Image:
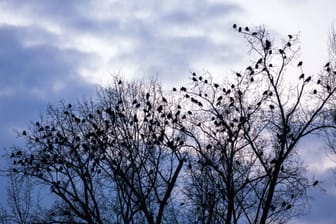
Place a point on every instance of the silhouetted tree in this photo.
(245, 134)
(207, 152)
(122, 146)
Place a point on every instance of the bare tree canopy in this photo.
(205, 152)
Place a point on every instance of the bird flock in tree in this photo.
(206, 152)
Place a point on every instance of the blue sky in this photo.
(52, 50)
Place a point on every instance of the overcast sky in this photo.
(60, 49)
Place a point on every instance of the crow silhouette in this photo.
(183, 89)
(267, 44)
(308, 79)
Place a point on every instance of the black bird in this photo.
(254, 34)
(24, 133)
(252, 79)
(164, 100)
(308, 79)
(267, 45)
(281, 51)
(327, 65)
(315, 91)
(283, 204)
(120, 82)
(289, 44)
(300, 64)
(271, 107)
(234, 26)
(194, 74)
(301, 76)
(315, 182)
(194, 79)
(159, 109)
(183, 89)
(215, 85)
(239, 29)
(247, 29)
(290, 36)
(318, 82)
(174, 89)
(238, 74)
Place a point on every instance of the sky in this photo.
(52, 50)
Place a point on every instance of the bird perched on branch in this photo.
(267, 45)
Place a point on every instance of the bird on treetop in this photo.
(300, 64)
(308, 79)
(267, 45)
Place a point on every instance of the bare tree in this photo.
(120, 147)
(19, 198)
(246, 131)
(220, 152)
(329, 79)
